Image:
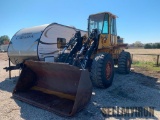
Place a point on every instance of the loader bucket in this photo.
(56, 87)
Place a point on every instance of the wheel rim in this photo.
(108, 70)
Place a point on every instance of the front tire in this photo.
(102, 70)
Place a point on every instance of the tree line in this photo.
(4, 40)
(138, 44)
(152, 46)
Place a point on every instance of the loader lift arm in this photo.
(76, 42)
(91, 44)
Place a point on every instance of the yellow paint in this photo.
(113, 40)
(59, 94)
(112, 50)
(108, 42)
(104, 41)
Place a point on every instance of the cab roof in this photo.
(114, 16)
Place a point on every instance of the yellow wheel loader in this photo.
(65, 85)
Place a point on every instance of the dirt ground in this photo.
(140, 88)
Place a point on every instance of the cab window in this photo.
(96, 22)
(105, 25)
(113, 26)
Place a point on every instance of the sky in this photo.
(138, 20)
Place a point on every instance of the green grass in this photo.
(148, 65)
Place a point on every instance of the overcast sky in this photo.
(138, 20)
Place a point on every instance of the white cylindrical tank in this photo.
(37, 43)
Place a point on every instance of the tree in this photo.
(158, 45)
(4, 39)
(154, 46)
(138, 44)
(148, 46)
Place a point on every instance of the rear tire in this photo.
(102, 70)
(124, 62)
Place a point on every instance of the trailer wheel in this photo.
(102, 70)
(124, 62)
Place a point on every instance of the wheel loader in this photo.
(64, 86)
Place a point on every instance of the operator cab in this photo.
(105, 23)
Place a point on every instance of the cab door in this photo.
(105, 37)
(113, 31)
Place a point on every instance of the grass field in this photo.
(144, 58)
(147, 61)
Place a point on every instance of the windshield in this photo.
(96, 22)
